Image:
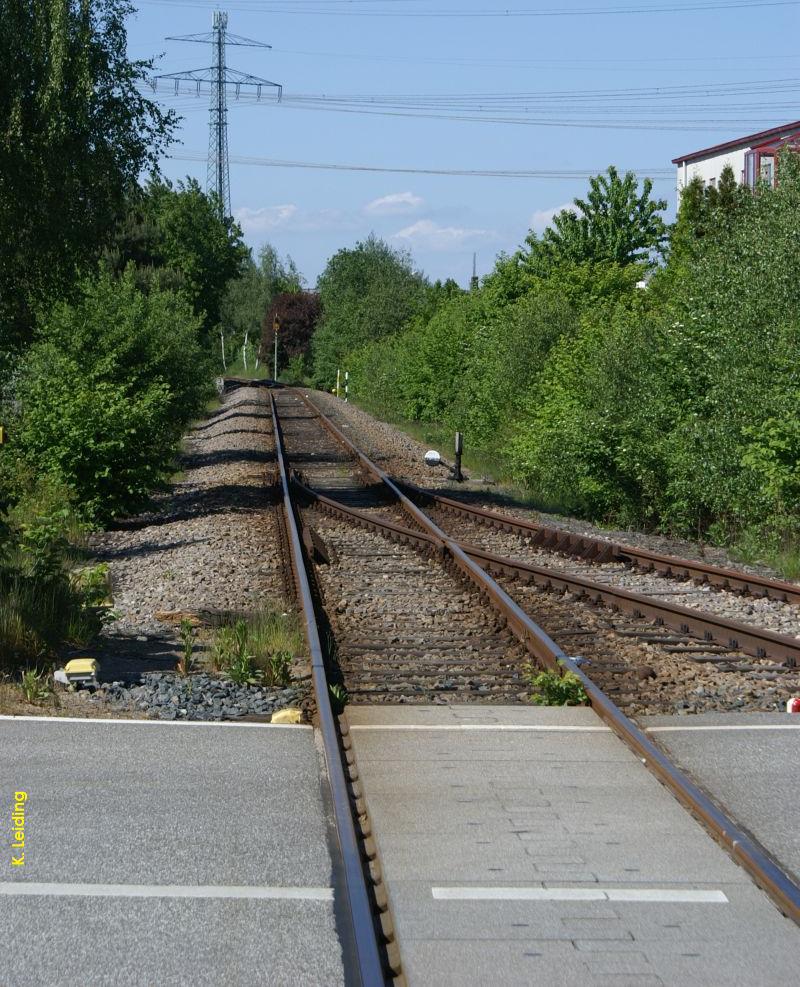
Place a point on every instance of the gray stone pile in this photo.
(167, 696)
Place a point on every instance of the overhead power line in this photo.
(683, 107)
(462, 172)
(710, 63)
(219, 78)
(391, 8)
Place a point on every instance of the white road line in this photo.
(15, 888)
(663, 895)
(731, 727)
(155, 723)
(507, 728)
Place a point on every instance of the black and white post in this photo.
(459, 448)
(276, 325)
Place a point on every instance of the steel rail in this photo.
(599, 550)
(532, 636)
(707, 627)
(755, 860)
(370, 968)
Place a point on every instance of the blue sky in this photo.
(428, 48)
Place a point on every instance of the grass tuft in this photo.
(259, 650)
(35, 685)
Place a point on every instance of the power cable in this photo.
(660, 173)
(344, 8)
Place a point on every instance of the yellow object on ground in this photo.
(82, 666)
(290, 715)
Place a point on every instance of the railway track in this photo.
(509, 535)
(653, 654)
(465, 607)
(407, 626)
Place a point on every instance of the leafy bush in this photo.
(106, 392)
(367, 293)
(41, 604)
(93, 582)
(552, 689)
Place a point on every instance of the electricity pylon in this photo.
(219, 78)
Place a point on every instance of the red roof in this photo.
(750, 141)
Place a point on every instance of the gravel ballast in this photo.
(196, 697)
(208, 549)
(402, 456)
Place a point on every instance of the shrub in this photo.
(41, 604)
(106, 392)
(552, 689)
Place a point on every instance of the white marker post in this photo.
(276, 325)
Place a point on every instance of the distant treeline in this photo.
(626, 371)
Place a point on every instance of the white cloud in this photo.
(266, 219)
(427, 235)
(289, 218)
(543, 217)
(394, 204)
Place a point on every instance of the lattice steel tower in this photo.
(218, 174)
(219, 78)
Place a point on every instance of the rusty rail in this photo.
(709, 628)
(369, 972)
(592, 549)
(765, 872)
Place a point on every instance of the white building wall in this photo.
(708, 168)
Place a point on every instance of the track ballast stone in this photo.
(197, 697)
(402, 456)
(209, 547)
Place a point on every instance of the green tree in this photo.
(705, 210)
(176, 240)
(250, 296)
(75, 134)
(367, 292)
(192, 239)
(691, 223)
(615, 223)
(105, 392)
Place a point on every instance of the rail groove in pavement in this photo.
(545, 651)
(358, 901)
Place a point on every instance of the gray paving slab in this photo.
(752, 771)
(152, 804)
(564, 809)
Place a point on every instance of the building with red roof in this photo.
(752, 158)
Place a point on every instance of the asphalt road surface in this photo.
(160, 854)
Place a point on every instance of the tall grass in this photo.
(237, 368)
(273, 633)
(259, 649)
(36, 619)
